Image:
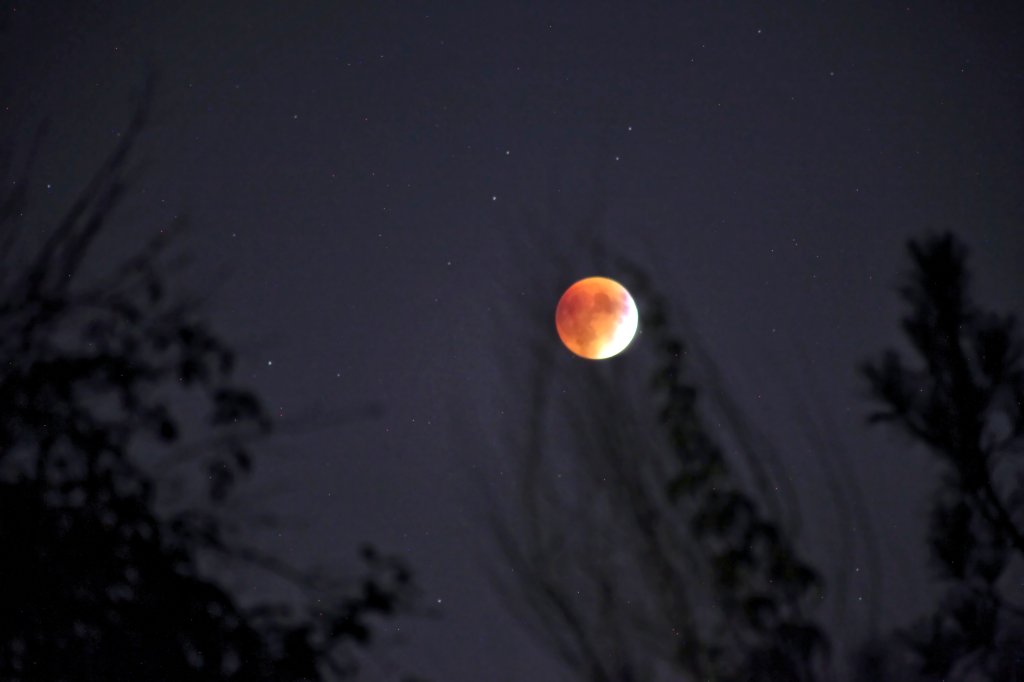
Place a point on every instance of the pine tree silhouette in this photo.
(961, 396)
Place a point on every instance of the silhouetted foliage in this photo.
(104, 577)
(762, 587)
(961, 395)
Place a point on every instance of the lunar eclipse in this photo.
(596, 318)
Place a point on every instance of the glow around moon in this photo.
(596, 318)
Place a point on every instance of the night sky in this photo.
(380, 195)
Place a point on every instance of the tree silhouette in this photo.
(105, 382)
(961, 396)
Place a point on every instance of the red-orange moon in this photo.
(596, 318)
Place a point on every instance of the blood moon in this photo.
(596, 318)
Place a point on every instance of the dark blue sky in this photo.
(369, 186)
